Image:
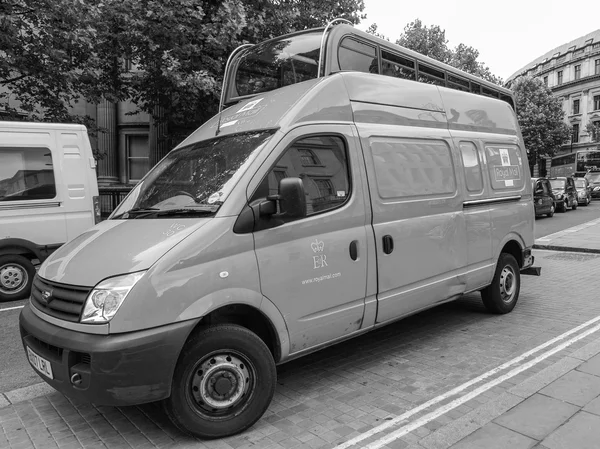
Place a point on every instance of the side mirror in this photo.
(292, 199)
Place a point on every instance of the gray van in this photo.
(294, 220)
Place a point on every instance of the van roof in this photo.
(354, 97)
(41, 125)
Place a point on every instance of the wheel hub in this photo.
(507, 284)
(13, 278)
(220, 382)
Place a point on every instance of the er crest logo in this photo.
(319, 260)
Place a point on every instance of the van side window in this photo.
(412, 167)
(505, 167)
(358, 56)
(321, 163)
(471, 166)
(397, 66)
(26, 174)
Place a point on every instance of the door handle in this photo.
(388, 244)
(354, 250)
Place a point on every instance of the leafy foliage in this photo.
(45, 55)
(431, 41)
(541, 118)
(593, 129)
(166, 56)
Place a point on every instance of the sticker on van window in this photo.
(504, 157)
(341, 193)
(214, 197)
(509, 172)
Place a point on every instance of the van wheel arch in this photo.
(513, 248)
(20, 247)
(245, 316)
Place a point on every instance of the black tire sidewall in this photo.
(491, 296)
(28, 267)
(215, 338)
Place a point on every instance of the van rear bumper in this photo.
(528, 261)
(116, 370)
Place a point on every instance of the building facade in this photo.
(572, 72)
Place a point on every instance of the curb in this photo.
(25, 394)
(572, 249)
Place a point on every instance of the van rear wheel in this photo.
(16, 276)
(223, 383)
(502, 294)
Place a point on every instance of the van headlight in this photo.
(106, 297)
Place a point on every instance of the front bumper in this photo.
(115, 370)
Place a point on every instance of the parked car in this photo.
(593, 177)
(584, 192)
(48, 195)
(543, 198)
(565, 193)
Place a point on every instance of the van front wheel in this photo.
(16, 276)
(223, 383)
(502, 295)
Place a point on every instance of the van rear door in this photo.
(79, 178)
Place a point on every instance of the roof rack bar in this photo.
(233, 53)
(329, 25)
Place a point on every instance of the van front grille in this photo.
(61, 301)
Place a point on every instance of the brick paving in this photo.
(339, 393)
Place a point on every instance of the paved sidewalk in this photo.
(581, 238)
(559, 407)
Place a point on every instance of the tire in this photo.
(229, 357)
(564, 206)
(16, 276)
(502, 294)
(574, 205)
(551, 213)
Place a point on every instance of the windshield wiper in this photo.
(137, 210)
(198, 209)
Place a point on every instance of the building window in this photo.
(596, 102)
(577, 72)
(138, 156)
(597, 67)
(575, 134)
(560, 77)
(308, 158)
(576, 106)
(325, 188)
(546, 80)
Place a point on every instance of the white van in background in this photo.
(48, 195)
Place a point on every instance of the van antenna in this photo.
(223, 88)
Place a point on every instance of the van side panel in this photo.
(416, 204)
(79, 180)
(40, 221)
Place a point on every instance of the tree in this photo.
(540, 117)
(373, 30)
(45, 50)
(431, 41)
(593, 129)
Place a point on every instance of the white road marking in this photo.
(11, 308)
(482, 389)
(460, 388)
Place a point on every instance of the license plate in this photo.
(40, 363)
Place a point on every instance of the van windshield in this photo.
(195, 179)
